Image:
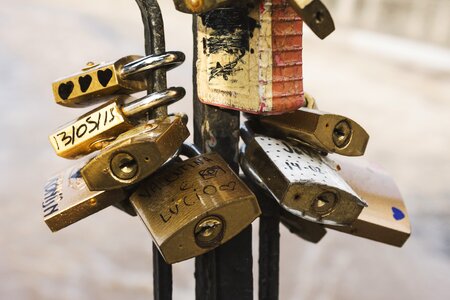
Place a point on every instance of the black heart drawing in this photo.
(85, 82)
(65, 89)
(228, 187)
(104, 76)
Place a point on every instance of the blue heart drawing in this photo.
(398, 214)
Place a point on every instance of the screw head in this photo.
(124, 166)
(342, 134)
(324, 203)
(209, 232)
(194, 4)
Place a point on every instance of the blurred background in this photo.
(387, 66)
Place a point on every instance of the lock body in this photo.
(135, 154)
(309, 231)
(94, 83)
(191, 207)
(325, 132)
(385, 219)
(251, 60)
(67, 199)
(304, 182)
(91, 131)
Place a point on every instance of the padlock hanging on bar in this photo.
(67, 199)
(385, 219)
(99, 127)
(251, 60)
(99, 81)
(192, 207)
(313, 12)
(136, 154)
(302, 181)
(329, 133)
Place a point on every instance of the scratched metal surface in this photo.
(397, 90)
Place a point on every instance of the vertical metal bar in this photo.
(155, 43)
(226, 272)
(269, 248)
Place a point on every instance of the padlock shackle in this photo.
(247, 132)
(190, 150)
(153, 101)
(168, 61)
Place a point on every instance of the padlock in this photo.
(329, 133)
(97, 81)
(313, 12)
(135, 154)
(250, 60)
(385, 219)
(304, 182)
(191, 207)
(316, 15)
(203, 6)
(68, 200)
(309, 231)
(99, 127)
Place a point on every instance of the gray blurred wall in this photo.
(427, 20)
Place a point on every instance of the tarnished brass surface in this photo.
(315, 14)
(135, 154)
(94, 130)
(304, 182)
(68, 200)
(92, 84)
(191, 207)
(385, 219)
(322, 131)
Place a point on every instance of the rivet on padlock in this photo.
(135, 154)
(260, 70)
(67, 199)
(304, 182)
(125, 76)
(322, 131)
(385, 219)
(315, 14)
(97, 128)
(191, 207)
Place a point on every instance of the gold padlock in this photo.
(385, 219)
(67, 199)
(191, 207)
(97, 81)
(325, 132)
(304, 182)
(316, 15)
(99, 127)
(136, 154)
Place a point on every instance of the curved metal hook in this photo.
(154, 44)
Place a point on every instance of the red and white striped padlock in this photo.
(251, 60)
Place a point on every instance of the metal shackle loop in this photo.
(153, 101)
(168, 61)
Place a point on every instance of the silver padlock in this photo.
(304, 182)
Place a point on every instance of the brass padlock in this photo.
(99, 127)
(316, 15)
(97, 81)
(385, 219)
(251, 61)
(304, 182)
(325, 132)
(191, 207)
(136, 154)
(67, 199)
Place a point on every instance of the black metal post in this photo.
(155, 44)
(226, 272)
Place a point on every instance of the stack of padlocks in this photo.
(193, 206)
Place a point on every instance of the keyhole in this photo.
(319, 17)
